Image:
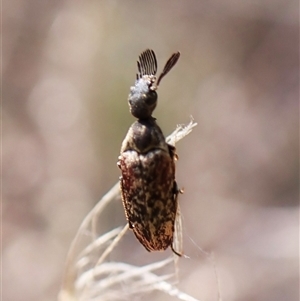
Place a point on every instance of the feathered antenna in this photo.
(168, 66)
(147, 63)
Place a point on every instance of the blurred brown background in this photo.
(67, 67)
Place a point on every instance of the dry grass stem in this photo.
(91, 273)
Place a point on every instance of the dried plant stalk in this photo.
(89, 275)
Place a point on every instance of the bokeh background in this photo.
(66, 71)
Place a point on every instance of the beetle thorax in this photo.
(144, 136)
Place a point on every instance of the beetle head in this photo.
(143, 97)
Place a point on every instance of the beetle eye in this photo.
(151, 98)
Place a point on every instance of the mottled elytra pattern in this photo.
(147, 163)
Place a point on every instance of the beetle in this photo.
(148, 187)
